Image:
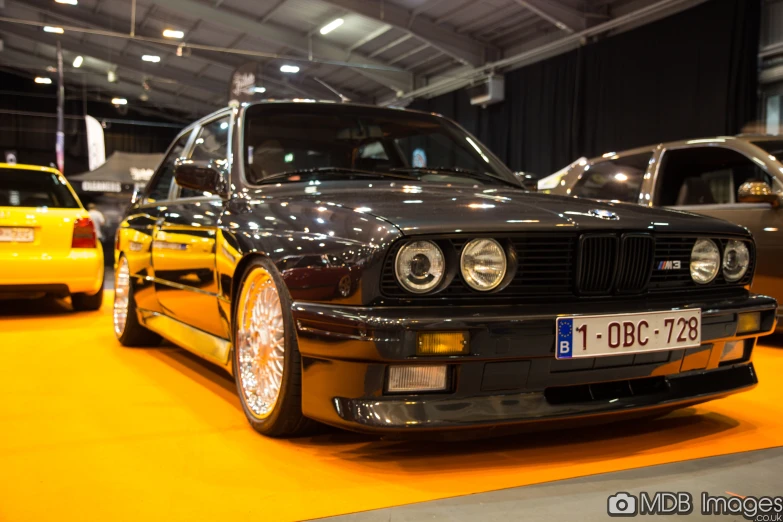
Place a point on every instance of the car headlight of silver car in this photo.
(483, 264)
(736, 260)
(420, 266)
(705, 261)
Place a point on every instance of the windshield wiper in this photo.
(333, 170)
(474, 174)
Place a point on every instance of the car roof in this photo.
(680, 143)
(39, 168)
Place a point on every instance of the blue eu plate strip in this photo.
(565, 333)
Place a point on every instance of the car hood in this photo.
(428, 208)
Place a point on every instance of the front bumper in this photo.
(511, 376)
(80, 270)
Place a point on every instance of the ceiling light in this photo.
(51, 69)
(41, 79)
(111, 76)
(293, 69)
(151, 58)
(259, 90)
(50, 29)
(69, 2)
(331, 26)
(173, 33)
(119, 101)
(77, 62)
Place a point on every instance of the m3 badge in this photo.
(670, 265)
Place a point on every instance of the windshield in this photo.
(304, 142)
(30, 188)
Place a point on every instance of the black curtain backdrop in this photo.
(33, 137)
(692, 74)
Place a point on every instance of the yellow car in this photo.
(47, 240)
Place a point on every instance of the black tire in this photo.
(285, 419)
(85, 303)
(134, 334)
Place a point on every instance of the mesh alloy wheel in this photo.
(121, 296)
(260, 343)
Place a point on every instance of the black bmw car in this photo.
(381, 270)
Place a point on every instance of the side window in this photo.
(211, 146)
(704, 176)
(158, 189)
(616, 180)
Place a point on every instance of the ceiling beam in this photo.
(132, 64)
(12, 57)
(462, 48)
(561, 16)
(284, 37)
(81, 16)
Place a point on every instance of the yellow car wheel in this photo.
(85, 302)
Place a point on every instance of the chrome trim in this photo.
(208, 346)
(177, 285)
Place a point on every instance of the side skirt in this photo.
(212, 348)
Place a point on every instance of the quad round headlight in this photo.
(483, 264)
(705, 261)
(420, 266)
(736, 259)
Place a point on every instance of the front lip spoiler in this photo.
(418, 413)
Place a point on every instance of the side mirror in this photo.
(199, 176)
(528, 181)
(757, 192)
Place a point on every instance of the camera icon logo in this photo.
(622, 505)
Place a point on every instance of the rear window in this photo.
(616, 180)
(30, 188)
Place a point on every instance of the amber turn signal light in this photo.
(748, 322)
(442, 343)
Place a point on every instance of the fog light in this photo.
(417, 378)
(442, 343)
(749, 322)
(733, 350)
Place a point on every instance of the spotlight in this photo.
(119, 101)
(69, 2)
(151, 58)
(292, 69)
(77, 62)
(50, 29)
(42, 80)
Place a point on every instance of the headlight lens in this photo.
(420, 266)
(483, 264)
(736, 259)
(705, 261)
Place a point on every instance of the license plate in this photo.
(16, 235)
(601, 335)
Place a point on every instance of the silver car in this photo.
(739, 179)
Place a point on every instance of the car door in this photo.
(135, 234)
(705, 180)
(183, 250)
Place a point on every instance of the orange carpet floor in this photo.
(93, 431)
